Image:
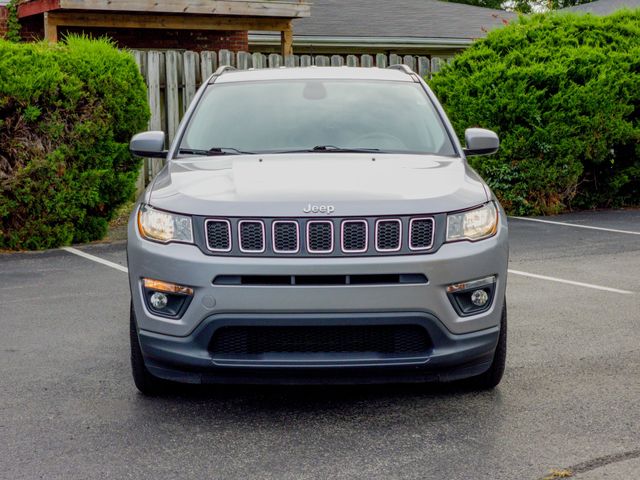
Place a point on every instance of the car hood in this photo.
(284, 185)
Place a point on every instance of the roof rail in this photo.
(402, 67)
(223, 69)
(220, 71)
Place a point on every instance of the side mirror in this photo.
(148, 144)
(480, 141)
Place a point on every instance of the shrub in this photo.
(563, 93)
(67, 112)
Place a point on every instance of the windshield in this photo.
(316, 115)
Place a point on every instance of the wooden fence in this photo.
(173, 76)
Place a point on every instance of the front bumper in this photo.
(177, 348)
(189, 359)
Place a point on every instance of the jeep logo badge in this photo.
(326, 209)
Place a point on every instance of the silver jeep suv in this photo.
(317, 225)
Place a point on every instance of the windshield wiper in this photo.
(332, 149)
(214, 151)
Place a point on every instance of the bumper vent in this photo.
(381, 339)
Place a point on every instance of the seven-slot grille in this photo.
(335, 236)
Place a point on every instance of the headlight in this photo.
(163, 226)
(474, 224)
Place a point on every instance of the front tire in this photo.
(492, 377)
(144, 380)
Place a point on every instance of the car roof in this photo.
(320, 73)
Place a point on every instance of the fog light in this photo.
(479, 298)
(159, 300)
(472, 296)
(166, 299)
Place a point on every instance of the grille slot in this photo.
(354, 236)
(218, 235)
(388, 235)
(382, 339)
(251, 235)
(421, 233)
(286, 236)
(320, 236)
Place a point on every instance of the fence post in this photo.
(306, 60)
(190, 68)
(275, 60)
(257, 60)
(410, 61)
(424, 67)
(155, 122)
(322, 61)
(381, 60)
(337, 61)
(436, 64)
(208, 64)
(366, 61)
(225, 58)
(244, 60)
(173, 102)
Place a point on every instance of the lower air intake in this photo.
(382, 339)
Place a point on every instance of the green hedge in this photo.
(563, 93)
(67, 112)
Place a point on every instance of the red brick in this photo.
(196, 40)
(3, 20)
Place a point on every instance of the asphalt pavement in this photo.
(570, 398)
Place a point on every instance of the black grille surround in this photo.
(394, 340)
(320, 236)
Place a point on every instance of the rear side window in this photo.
(297, 115)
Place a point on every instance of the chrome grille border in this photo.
(386, 250)
(366, 235)
(229, 234)
(333, 233)
(433, 233)
(273, 237)
(264, 236)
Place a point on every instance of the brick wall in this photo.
(196, 40)
(3, 20)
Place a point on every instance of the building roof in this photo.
(388, 23)
(399, 18)
(604, 7)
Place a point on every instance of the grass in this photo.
(555, 474)
(118, 226)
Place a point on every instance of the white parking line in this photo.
(628, 232)
(102, 261)
(88, 256)
(570, 282)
